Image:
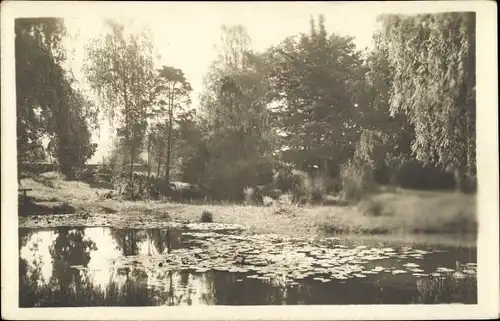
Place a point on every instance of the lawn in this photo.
(395, 216)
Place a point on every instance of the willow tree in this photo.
(433, 61)
(120, 69)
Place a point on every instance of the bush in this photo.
(357, 181)
(227, 181)
(206, 217)
(412, 174)
(318, 190)
(373, 207)
(253, 196)
(283, 177)
(104, 174)
(87, 175)
(140, 188)
(301, 186)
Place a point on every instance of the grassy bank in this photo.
(398, 216)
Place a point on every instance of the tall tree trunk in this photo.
(149, 155)
(169, 139)
(127, 127)
(159, 160)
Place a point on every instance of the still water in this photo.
(100, 266)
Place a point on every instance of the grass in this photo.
(404, 216)
(406, 212)
(435, 290)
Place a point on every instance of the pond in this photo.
(103, 266)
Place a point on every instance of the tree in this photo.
(119, 67)
(385, 138)
(173, 93)
(433, 57)
(47, 103)
(315, 82)
(238, 136)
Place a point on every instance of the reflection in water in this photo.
(76, 267)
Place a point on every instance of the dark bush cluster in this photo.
(206, 217)
(253, 196)
(142, 187)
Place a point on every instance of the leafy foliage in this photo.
(48, 106)
(433, 84)
(315, 83)
(238, 139)
(119, 68)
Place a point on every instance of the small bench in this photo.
(25, 195)
(24, 190)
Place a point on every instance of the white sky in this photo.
(185, 33)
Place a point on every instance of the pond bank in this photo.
(403, 217)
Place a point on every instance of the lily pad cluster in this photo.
(283, 260)
(121, 221)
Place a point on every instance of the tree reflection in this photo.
(128, 240)
(69, 248)
(30, 271)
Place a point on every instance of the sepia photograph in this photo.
(249, 155)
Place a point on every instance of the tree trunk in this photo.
(160, 148)
(149, 156)
(169, 139)
(127, 127)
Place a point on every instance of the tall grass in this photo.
(447, 289)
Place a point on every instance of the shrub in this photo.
(140, 188)
(283, 178)
(357, 181)
(372, 207)
(253, 196)
(412, 174)
(318, 190)
(87, 175)
(206, 217)
(301, 186)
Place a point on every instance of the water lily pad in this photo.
(396, 272)
(369, 272)
(411, 265)
(201, 270)
(444, 269)
(416, 270)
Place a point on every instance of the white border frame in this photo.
(487, 161)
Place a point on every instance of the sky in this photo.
(185, 34)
